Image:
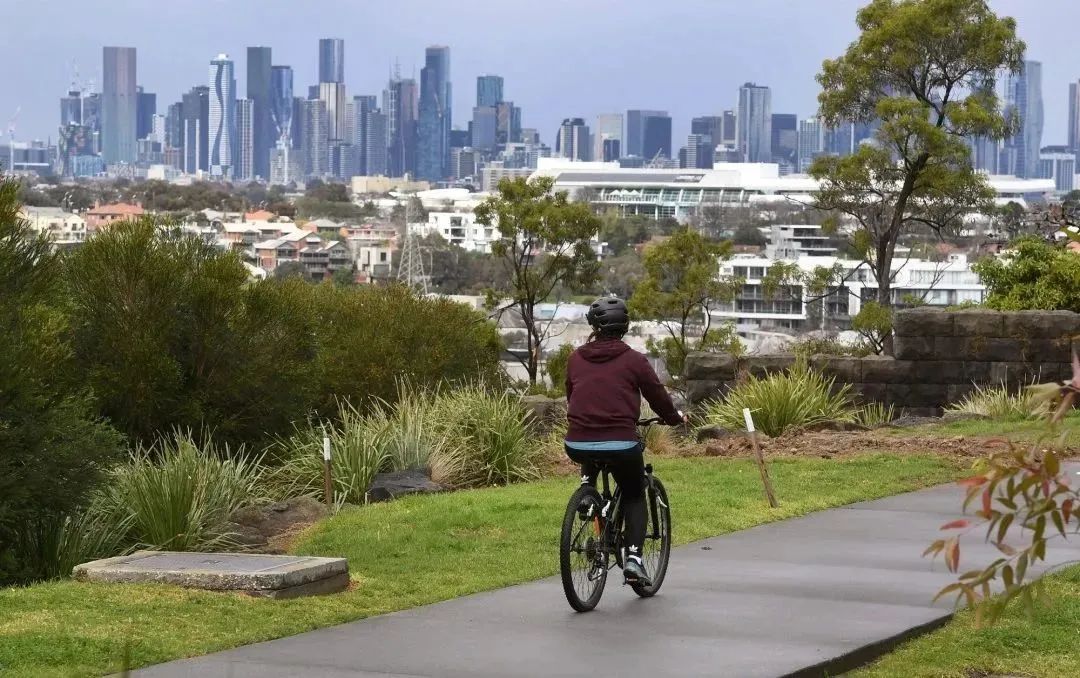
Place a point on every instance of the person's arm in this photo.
(655, 394)
(569, 386)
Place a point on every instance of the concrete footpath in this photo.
(810, 596)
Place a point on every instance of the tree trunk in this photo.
(884, 291)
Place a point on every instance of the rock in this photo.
(713, 433)
(910, 421)
(924, 322)
(715, 367)
(256, 526)
(246, 535)
(979, 323)
(543, 412)
(949, 417)
(387, 486)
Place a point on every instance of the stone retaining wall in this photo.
(939, 357)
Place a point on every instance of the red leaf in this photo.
(986, 502)
(974, 481)
(952, 555)
(956, 525)
(1066, 509)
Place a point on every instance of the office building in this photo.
(1058, 163)
(573, 140)
(331, 60)
(332, 94)
(401, 106)
(698, 152)
(196, 123)
(484, 128)
(145, 110)
(71, 108)
(375, 148)
(434, 125)
(785, 140)
(222, 116)
(730, 128)
(1074, 117)
(281, 103)
(638, 126)
(489, 90)
(343, 160)
(174, 127)
(985, 154)
(1023, 96)
(754, 128)
(464, 163)
(260, 78)
(710, 127)
(811, 142)
(607, 136)
(361, 108)
(244, 163)
(657, 137)
(508, 123)
(315, 142)
(119, 105)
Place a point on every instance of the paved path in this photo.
(806, 597)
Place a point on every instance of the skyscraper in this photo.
(1024, 96)
(174, 128)
(259, 86)
(656, 140)
(636, 124)
(71, 108)
(315, 140)
(244, 163)
(508, 123)
(433, 138)
(710, 127)
(333, 95)
(222, 116)
(730, 131)
(400, 104)
(362, 109)
(573, 139)
(1074, 117)
(375, 149)
(145, 110)
(609, 128)
(811, 142)
(332, 60)
(754, 133)
(785, 140)
(196, 116)
(489, 90)
(281, 103)
(484, 126)
(118, 105)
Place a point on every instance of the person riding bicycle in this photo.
(605, 382)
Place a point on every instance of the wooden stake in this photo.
(769, 494)
(328, 487)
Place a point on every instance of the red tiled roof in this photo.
(117, 208)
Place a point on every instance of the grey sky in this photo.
(560, 58)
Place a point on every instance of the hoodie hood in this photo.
(603, 350)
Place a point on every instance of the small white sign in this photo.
(749, 419)
(326, 449)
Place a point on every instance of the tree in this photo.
(53, 450)
(681, 282)
(290, 269)
(543, 244)
(1032, 274)
(619, 275)
(923, 71)
(747, 234)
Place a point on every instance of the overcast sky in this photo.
(560, 58)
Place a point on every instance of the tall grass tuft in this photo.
(874, 415)
(412, 434)
(485, 439)
(178, 493)
(998, 402)
(52, 546)
(782, 401)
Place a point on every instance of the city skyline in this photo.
(548, 84)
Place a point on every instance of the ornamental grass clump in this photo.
(795, 398)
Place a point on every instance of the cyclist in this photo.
(605, 381)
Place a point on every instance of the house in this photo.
(101, 216)
(62, 228)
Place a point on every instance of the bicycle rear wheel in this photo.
(582, 558)
(657, 548)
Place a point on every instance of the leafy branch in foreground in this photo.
(1018, 487)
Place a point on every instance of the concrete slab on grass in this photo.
(256, 574)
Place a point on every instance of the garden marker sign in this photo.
(769, 494)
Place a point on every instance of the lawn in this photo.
(1046, 646)
(1011, 429)
(412, 552)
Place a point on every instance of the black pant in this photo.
(628, 469)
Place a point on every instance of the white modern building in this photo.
(789, 309)
(458, 228)
(679, 193)
(222, 118)
(792, 241)
(63, 229)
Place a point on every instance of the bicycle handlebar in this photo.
(650, 422)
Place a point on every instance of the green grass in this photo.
(1013, 429)
(1045, 646)
(411, 552)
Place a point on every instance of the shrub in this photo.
(873, 415)
(998, 402)
(556, 368)
(486, 439)
(814, 346)
(1033, 274)
(51, 545)
(178, 493)
(782, 401)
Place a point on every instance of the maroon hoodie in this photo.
(605, 381)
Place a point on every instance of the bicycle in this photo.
(592, 539)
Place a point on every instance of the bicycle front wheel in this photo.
(657, 548)
(582, 556)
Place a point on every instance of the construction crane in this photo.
(11, 137)
(411, 264)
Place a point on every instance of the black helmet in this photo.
(608, 315)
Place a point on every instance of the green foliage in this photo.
(999, 402)
(556, 367)
(52, 545)
(530, 217)
(873, 322)
(178, 494)
(748, 234)
(682, 280)
(619, 274)
(622, 233)
(811, 346)
(874, 415)
(924, 72)
(52, 448)
(782, 401)
(453, 270)
(1033, 274)
(487, 440)
(328, 192)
